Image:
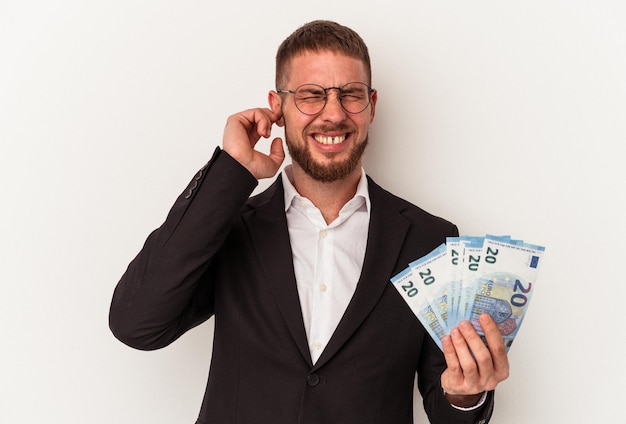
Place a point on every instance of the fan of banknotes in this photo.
(468, 276)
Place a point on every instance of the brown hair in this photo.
(317, 36)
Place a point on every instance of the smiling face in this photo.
(327, 146)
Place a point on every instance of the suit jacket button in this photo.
(313, 380)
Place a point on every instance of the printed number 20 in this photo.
(427, 277)
(520, 299)
(409, 289)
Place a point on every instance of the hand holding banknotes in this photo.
(472, 366)
(471, 295)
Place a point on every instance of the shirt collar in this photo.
(292, 194)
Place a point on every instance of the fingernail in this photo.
(465, 325)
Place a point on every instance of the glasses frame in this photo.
(370, 90)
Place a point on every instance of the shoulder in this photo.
(272, 195)
(416, 230)
(381, 197)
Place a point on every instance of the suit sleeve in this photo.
(166, 290)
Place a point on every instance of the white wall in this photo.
(504, 117)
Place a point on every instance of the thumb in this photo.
(277, 152)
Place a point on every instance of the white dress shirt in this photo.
(327, 258)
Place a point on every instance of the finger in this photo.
(464, 337)
(449, 353)
(277, 117)
(452, 377)
(465, 379)
(492, 366)
(277, 152)
(480, 352)
(476, 360)
(264, 119)
(464, 343)
(496, 345)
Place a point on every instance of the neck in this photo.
(328, 197)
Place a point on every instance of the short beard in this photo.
(326, 173)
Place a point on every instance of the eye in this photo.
(352, 97)
(353, 94)
(310, 94)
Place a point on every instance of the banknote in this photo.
(472, 249)
(414, 293)
(433, 274)
(505, 284)
(471, 259)
(454, 248)
(468, 276)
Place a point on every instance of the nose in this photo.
(333, 110)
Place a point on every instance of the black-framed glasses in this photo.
(311, 99)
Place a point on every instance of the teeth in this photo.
(330, 140)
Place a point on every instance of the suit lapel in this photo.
(267, 225)
(387, 231)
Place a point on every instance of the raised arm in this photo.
(167, 288)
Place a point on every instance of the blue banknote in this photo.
(468, 276)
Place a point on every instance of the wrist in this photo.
(464, 401)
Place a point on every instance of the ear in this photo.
(373, 105)
(276, 104)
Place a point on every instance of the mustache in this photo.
(330, 128)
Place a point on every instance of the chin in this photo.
(335, 170)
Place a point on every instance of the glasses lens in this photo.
(310, 99)
(355, 97)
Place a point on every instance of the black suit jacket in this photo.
(221, 254)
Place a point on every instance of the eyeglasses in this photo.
(311, 99)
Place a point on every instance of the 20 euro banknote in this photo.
(468, 276)
(505, 284)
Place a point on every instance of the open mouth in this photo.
(330, 140)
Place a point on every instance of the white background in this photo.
(501, 116)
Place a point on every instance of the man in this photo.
(308, 328)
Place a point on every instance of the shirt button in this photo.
(317, 345)
(323, 288)
(313, 380)
(323, 233)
